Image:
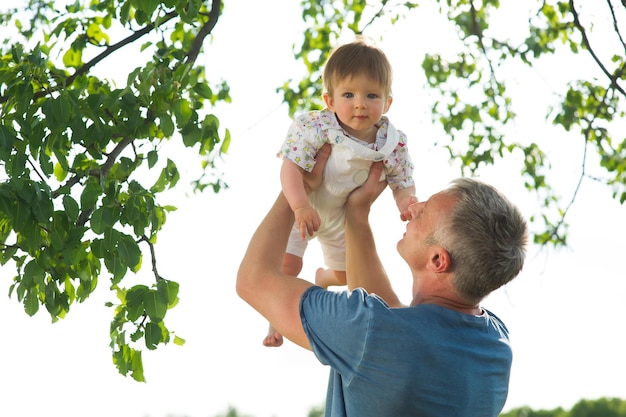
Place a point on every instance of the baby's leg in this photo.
(292, 265)
(327, 277)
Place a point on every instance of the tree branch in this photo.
(583, 32)
(204, 31)
(103, 172)
(113, 48)
(153, 257)
(381, 11)
(481, 44)
(615, 26)
(97, 59)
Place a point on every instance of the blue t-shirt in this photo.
(421, 361)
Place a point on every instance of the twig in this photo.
(153, 257)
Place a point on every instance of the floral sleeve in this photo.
(304, 138)
(399, 167)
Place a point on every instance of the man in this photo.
(441, 356)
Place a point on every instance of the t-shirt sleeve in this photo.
(336, 324)
(304, 138)
(399, 167)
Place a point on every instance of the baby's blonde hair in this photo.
(359, 57)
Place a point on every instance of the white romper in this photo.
(347, 168)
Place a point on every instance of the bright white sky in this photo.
(562, 311)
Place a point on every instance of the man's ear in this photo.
(328, 100)
(440, 260)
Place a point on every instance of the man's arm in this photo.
(363, 266)
(260, 281)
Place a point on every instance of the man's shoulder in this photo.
(356, 299)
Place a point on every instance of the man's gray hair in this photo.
(486, 236)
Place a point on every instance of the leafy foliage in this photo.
(75, 149)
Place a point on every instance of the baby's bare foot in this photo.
(321, 277)
(273, 338)
(327, 277)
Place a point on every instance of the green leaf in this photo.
(7, 254)
(134, 209)
(62, 110)
(73, 58)
(31, 303)
(42, 207)
(153, 158)
(125, 12)
(148, 6)
(94, 31)
(22, 216)
(226, 142)
(136, 366)
(153, 335)
(168, 290)
(137, 334)
(167, 125)
(115, 266)
(59, 173)
(103, 218)
(156, 306)
(129, 251)
(59, 231)
(168, 178)
(203, 90)
(127, 359)
(135, 302)
(24, 97)
(16, 165)
(71, 207)
(46, 163)
(34, 275)
(192, 134)
(7, 137)
(17, 52)
(90, 194)
(183, 112)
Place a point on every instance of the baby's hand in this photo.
(405, 213)
(308, 220)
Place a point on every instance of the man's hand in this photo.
(313, 179)
(365, 195)
(363, 266)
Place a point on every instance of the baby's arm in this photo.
(404, 198)
(307, 218)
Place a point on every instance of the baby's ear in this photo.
(389, 101)
(328, 100)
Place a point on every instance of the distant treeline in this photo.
(603, 407)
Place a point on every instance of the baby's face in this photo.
(359, 102)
